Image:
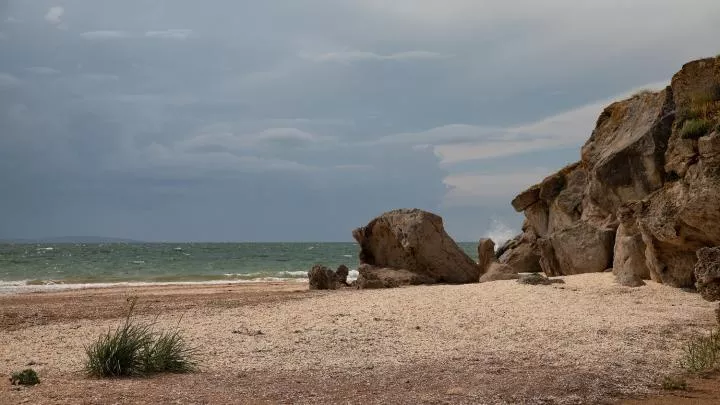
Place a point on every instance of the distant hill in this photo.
(72, 239)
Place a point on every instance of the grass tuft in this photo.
(702, 353)
(695, 128)
(674, 383)
(25, 377)
(133, 349)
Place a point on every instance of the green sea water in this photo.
(52, 264)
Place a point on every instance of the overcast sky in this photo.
(231, 120)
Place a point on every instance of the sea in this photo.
(27, 267)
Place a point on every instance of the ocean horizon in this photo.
(69, 265)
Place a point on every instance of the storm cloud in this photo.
(260, 121)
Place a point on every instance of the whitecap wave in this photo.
(500, 233)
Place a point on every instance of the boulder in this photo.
(521, 254)
(376, 277)
(629, 265)
(486, 254)
(415, 241)
(581, 248)
(707, 273)
(322, 278)
(625, 153)
(341, 274)
(498, 271)
(526, 198)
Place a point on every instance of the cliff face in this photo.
(645, 195)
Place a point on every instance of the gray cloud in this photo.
(259, 122)
(170, 34)
(54, 15)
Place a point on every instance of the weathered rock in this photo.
(629, 254)
(486, 254)
(707, 273)
(415, 241)
(341, 274)
(581, 248)
(498, 271)
(375, 277)
(625, 153)
(521, 254)
(526, 198)
(322, 278)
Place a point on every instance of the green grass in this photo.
(702, 353)
(695, 128)
(134, 349)
(25, 377)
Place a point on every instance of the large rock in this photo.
(640, 154)
(521, 254)
(376, 277)
(629, 265)
(498, 271)
(415, 241)
(322, 278)
(582, 248)
(625, 153)
(486, 254)
(707, 273)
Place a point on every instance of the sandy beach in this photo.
(586, 341)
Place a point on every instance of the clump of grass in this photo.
(702, 353)
(674, 383)
(134, 349)
(25, 377)
(169, 353)
(695, 128)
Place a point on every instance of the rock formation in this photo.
(498, 271)
(486, 254)
(412, 241)
(707, 272)
(323, 278)
(377, 277)
(645, 195)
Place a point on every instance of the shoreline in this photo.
(23, 287)
(586, 341)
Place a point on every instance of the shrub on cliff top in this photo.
(695, 128)
(134, 349)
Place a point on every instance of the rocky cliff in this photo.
(645, 195)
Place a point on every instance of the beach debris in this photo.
(414, 241)
(25, 377)
(536, 279)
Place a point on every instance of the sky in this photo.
(232, 120)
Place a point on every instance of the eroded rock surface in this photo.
(415, 241)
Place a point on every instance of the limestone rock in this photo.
(629, 265)
(707, 273)
(341, 274)
(521, 254)
(579, 249)
(376, 277)
(486, 254)
(625, 153)
(526, 198)
(322, 278)
(415, 241)
(499, 271)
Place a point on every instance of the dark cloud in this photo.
(248, 121)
